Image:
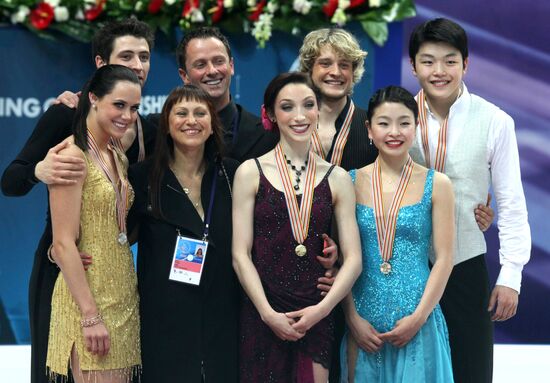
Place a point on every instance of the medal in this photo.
(385, 268)
(339, 143)
(441, 150)
(385, 227)
(300, 250)
(299, 216)
(122, 238)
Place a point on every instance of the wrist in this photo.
(91, 321)
(36, 174)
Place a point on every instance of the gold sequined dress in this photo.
(112, 280)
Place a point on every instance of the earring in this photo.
(94, 106)
(370, 141)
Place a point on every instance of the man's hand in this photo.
(484, 215)
(328, 260)
(67, 98)
(59, 169)
(503, 303)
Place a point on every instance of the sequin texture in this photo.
(113, 283)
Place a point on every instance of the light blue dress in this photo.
(384, 299)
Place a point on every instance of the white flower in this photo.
(170, 2)
(228, 3)
(339, 18)
(139, 6)
(374, 3)
(61, 14)
(20, 15)
(251, 3)
(343, 4)
(262, 28)
(272, 6)
(197, 16)
(302, 6)
(79, 15)
(53, 3)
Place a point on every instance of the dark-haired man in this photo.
(473, 142)
(128, 43)
(205, 60)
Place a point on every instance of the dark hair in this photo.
(282, 80)
(102, 83)
(438, 31)
(199, 33)
(164, 144)
(103, 41)
(394, 94)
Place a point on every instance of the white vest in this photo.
(466, 165)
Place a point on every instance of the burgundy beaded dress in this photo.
(290, 283)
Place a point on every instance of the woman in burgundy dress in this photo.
(283, 203)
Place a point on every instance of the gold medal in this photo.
(385, 268)
(300, 250)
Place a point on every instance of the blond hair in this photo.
(344, 44)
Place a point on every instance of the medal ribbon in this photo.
(299, 217)
(117, 143)
(385, 228)
(340, 142)
(441, 151)
(121, 192)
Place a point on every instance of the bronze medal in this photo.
(300, 250)
(385, 268)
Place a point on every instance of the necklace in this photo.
(297, 173)
(186, 190)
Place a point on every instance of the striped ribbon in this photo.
(441, 151)
(120, 183)
(299, 217)
(385, 227)
(340, 142)
(141, 154)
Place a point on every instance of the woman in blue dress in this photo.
(405, 213)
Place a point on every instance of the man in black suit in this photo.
(205, 60)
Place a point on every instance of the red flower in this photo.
(189, 6)
(94, 12)
(355, 3)
(217, 15)
(155, 6)
(330, 7)
(254, 16)
(42, 16)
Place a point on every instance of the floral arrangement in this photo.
(80, 18)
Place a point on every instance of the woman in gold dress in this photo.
(95, 320)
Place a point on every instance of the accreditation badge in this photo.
(188, 260)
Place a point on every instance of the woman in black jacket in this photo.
(189, 330)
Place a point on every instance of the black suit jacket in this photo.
(252, 139)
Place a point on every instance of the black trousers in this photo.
(464, 304)
(41, 284)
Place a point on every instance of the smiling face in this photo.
(332, 74)
(392, 128)
(116, 111)
(190, 123)
(296, 111)
(208, 66)
(132, 52)
(439, 68)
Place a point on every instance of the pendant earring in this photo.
(370, 141)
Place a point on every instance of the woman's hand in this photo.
(281, 325)
(96, 339)
(306, 318)
(365, 335)
(405, 329)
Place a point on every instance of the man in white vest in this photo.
(473, 142)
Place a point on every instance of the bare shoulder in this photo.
(71, 149)
(442, 187)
